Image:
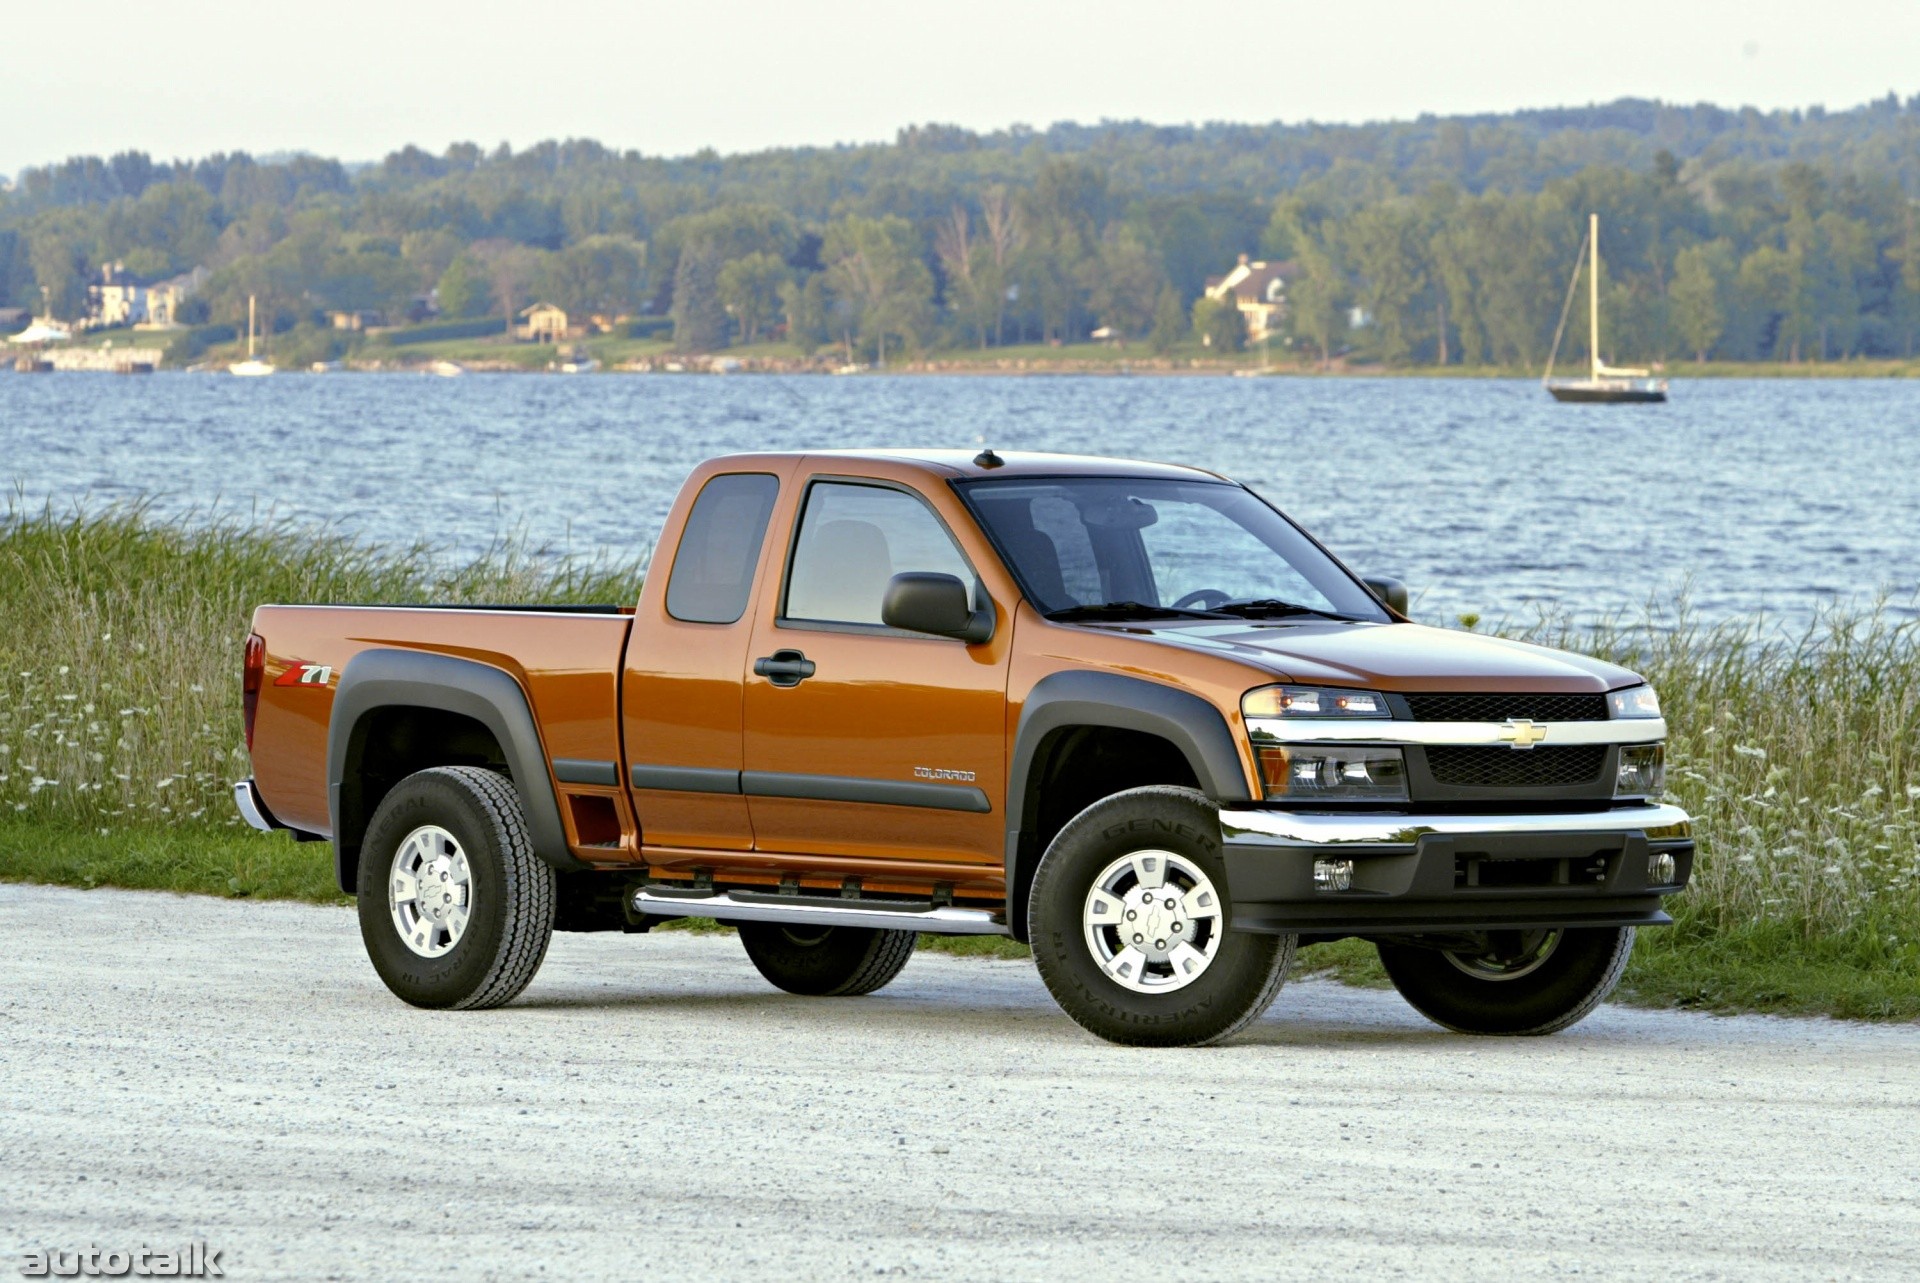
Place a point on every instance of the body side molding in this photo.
(859, 789)
(1084, 698)
(376, 679)
(685, 779)
(584, 770)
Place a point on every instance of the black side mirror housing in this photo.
(921, 601)
(1389, 590)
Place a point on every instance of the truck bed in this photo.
(567, 658)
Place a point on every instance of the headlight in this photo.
(1312, 701)
(1643, 771)
(1634, 701)
(1331, 772)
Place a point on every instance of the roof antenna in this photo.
(988, 459)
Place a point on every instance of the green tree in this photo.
(750, 291)
(975, 264)
(58, 265)
(874, 263)
(1386, 247)
(463, 288)
(1698, 295)
(1170, 322)
(699, 317)
(599, 276)
(1763, 289)
(1906, 290)
(1063, 213)
(1317, 302)
(807, 306)
(1125, 282)
(1218, 324)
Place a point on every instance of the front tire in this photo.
(456, 909)
(1128, 919)
(827, 962)
(1511, 982)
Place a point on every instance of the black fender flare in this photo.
(376, 679)
(1082, 698)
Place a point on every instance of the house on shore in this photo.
(165, 298)
(1259, 290)
(118, 298)
(543, 323)
(121, 298)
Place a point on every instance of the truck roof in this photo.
(962, 464)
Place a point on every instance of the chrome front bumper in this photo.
(1414, 873)
(1379, 828)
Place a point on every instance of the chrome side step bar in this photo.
(749, 906)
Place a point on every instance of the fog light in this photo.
(1337, 875)
(1662, 869)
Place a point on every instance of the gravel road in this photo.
(177, 1068)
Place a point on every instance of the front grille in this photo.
(1473, 766)
(1498, 708)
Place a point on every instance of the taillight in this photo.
(252, 672)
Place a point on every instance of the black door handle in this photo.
(784, 667)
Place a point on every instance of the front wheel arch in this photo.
(1193, 730)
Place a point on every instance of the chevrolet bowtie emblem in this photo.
(1521, 732)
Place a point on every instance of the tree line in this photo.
(1726, 234)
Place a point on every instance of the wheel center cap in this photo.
(1155, 921)
(439, 894)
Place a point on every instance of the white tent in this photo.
(41, 331)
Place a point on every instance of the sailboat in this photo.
(252, 367)
(1604, 384)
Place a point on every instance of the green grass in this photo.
(199, 859)
(1798, 755)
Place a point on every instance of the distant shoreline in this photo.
(619, 355)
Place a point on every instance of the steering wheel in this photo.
(1203, 599)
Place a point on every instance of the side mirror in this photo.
(1389, 590)
(922, 601)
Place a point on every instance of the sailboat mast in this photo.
(1593, 292)
(249, 327)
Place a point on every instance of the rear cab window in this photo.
(712, 576)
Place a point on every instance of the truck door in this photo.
(680, 692)
(863, 741)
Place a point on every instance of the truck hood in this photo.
(1395, 657)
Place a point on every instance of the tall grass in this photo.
(121, 638)
(120, 641)
(1799, 757)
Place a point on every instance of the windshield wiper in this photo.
(1270, 607)
(1130, 610)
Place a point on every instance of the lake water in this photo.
(1486, 496)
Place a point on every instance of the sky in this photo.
(356, 79)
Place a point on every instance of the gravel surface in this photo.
(177, 1068)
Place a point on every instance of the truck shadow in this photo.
(909, 1014)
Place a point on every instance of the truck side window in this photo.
(855, 538)
(712, 574)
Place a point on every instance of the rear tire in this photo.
(1128, 922)
(827, 962)
(455, 908)
(1521, 983)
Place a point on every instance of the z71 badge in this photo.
(301, 673)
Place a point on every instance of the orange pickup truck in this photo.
(1128, 713)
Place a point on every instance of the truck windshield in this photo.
(1119, 546)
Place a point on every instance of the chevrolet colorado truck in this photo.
(1128, 713)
